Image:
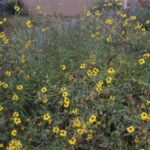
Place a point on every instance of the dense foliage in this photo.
(85, 86)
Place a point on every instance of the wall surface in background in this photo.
(65, 7)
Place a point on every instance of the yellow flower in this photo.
(74, 111)
(45, 99)
(133, 18)
(136, 140)
(66, 102)
(64, 94)
(111, 70)
(109, 21)
(2, 34)
(89, 73)
(15, 97)
(88, 13)
(89, 136)
(17, 8)
(19, 87)
(145, 56)
(56, 129)
(148, 102)
(15, 114)
(76, 123)
(109, 39)
(63, 67)
(97, 13)
(14, 132)
(63, 133)
(92, 119)
(63, 89)
(147, 21)
(72, 141)
(144, 116)
(29, 24)
(99, 89)
(47, 117)
(1, 108)
(141, 61)
(37, 7)
(1, 145)
(8, 73)
(112, 97)
(43, 89)
(5, 85)
(82, 66)
(130, 129)
(17, 121)
(108, 80)
(14, 145)
(80, 131)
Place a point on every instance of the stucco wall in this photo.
(65, 7)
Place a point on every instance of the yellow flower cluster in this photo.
(14, 145)
(142, 60)
(66, 100)
(4, 38)
(16, 118)
(93, 72)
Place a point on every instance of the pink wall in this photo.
(65, 7)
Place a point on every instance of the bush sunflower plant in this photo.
(76, 87)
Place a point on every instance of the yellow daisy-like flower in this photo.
(144, 116)
(15, 114)
(56, 129)
(130, 129)
(108, 80)
(1, 145)
(66, 102)
(14, 132)
(109, 39)
(89, 136)
(72, 141)
(92, 119)
(97, 13)
(76, 123)
(43, 89)
(15, 97)
(37, 7)
(112, 97)
(29, 24)
(5, 85)
(65, 94)
(141, 61)
(109, 21)
(136, 140)
(82, 66)
(111, 70)
(8, 73)
(133, 18)
(47, 117)
(80, 131)
(145, 56)
(17, 121)
(63, 133)
(63, 67)
(19, 87)
(74, 111)
(17, 8)
(88, 13)
(1, 108)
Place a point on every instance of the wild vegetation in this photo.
(84, 86)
